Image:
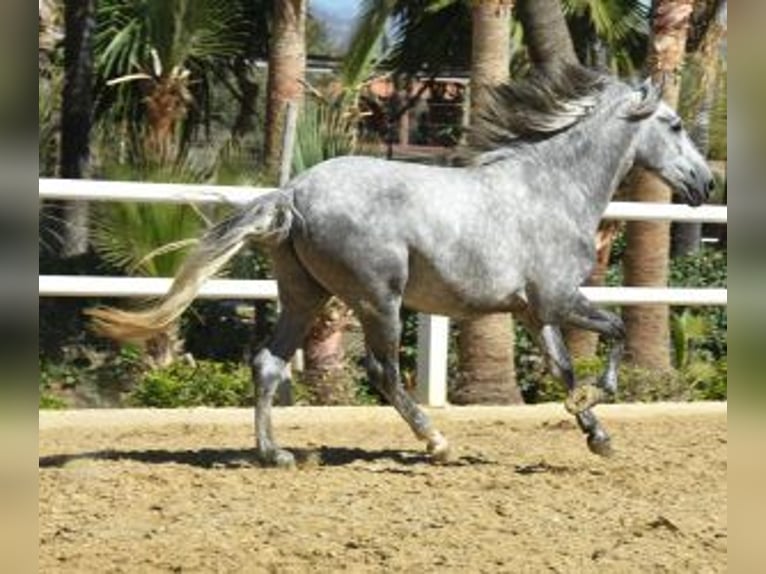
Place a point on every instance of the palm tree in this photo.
(76, 117)
(648, 243)
(708, 28)
(547, 37)
(156, 62)
(485, 344)
(256, 15)
(287, 70)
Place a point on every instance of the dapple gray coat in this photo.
(512, 231)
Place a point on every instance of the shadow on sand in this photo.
(211, 458)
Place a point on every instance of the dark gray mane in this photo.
(534, 109)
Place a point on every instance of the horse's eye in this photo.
(676, 125)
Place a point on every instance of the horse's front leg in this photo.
(585, 315)
(560, 364)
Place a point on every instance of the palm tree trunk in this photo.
(326, 374)
(686, 238)
(546, 34)
(648, 244)
(485, 345)
(257, 29)
(287, 69)
(76, 110)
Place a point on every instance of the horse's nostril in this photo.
(709, 188)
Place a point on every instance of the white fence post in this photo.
(433, 343)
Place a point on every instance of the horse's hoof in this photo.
(582, 398)
(279, 458)
(600, 444)
(438, 448)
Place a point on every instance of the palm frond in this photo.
(144, 239)
(364, 48)
(621, 26)
(431, 36)
(325, 130)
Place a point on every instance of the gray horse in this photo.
(511, 232)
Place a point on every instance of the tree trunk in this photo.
(257, 45)
(485, 345)
(546, 34)
(648, 244)
(487, 374)
(326, 375)
(287, 69)
(244, 122)
(76, 110)
(686, 238)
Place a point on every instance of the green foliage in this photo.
(152, 239)
(324, 131)
(51, 402)
(619, 28)
(186, 385)
(48, 106)
(410, 37)
(708, 381)
(686, 330)
(86, 377)
(719, 122)
(153, 38)
(706, 268)
(144, 238)
(52, 377)
(697, 381)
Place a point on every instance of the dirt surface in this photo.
(177, 491)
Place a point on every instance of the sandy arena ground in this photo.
(177, 491)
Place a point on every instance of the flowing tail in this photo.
(266, 221)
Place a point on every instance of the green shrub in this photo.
(708, 381)
(698, 380)
(188, 385)
(48, 401)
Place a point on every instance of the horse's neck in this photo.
(595, 156)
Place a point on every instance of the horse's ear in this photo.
(647, 99)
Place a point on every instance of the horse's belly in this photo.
(429, 290)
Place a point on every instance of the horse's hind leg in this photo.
(561, 363)
(382, 330)
(301, 297)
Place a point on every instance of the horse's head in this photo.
(664, 147)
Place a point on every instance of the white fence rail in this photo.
(432, 331)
